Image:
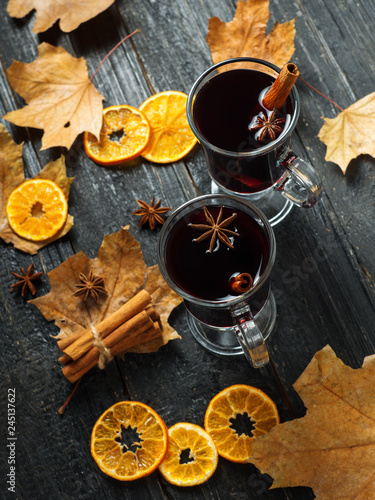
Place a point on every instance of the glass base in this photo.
(274, 206)
(223, 341)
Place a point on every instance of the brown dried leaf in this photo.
(60, 97)
(350, 133)
(332, 448)
(246, 35)
(164, 300)
(12, 175)
(70, 12)
(121, 264)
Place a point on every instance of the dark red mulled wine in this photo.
(208, 275)
(223, 111)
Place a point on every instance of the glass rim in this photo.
(224, 303)
(240, 154)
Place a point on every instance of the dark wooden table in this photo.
(324, 276)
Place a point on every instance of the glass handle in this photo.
(300, 182)
(249, 336)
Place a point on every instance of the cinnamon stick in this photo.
(281, 87)
(76, 348)
(63, 343)
(152, 312)
(65, 359)
(154, 315)
(137, 330)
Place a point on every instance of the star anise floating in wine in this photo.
(151, 213)
(267, 127)
(90, 286)
(215, 229)
(25, 280)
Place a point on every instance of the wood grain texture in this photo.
(323, 279)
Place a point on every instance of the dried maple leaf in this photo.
(60, 97)
(246, 35)
(70, 12)
(350, 133)
(164, 302)
(12, 175)
(332, 448)
(121, 264)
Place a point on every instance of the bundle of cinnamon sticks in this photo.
(133, 323)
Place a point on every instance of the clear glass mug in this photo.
(271, 176)
(229, 323)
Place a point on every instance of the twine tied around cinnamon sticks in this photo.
(135, 322)
(105, 355)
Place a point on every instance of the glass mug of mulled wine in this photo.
(245, 144)
(217, 251)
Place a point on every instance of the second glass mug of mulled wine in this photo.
(217, 251)
(245, 143)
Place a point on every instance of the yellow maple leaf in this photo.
(349, 134)
(70, 12)
(60, 97)
(246, 35)
(332, 448)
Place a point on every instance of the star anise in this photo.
(267, 126)
(25, 280)
(215, 229)
(151, 213)
(91, 285)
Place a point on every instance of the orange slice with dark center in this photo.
(37, 209)
(220, 418)
(122, 459)
(125, 133)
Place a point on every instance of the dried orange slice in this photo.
(237, 415)
(171, 137)
(37, 209)
(129, 441)
(192, 456)
(124, 135)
